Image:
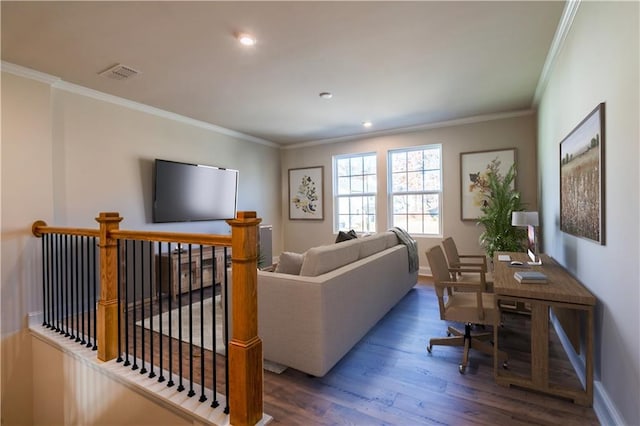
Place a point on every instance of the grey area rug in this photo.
(208, 310)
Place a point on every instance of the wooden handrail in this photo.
(39, 228)
(173, 237)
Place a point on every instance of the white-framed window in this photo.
(415, 189)
(354, 192)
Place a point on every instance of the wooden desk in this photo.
(563, 293)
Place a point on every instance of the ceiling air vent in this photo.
(120, 72)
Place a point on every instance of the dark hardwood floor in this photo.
(388, 378)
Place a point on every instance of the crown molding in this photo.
(411, 129)
(564, 26)
(58, 83)
(21, 71)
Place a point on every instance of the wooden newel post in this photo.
(107, 321)
(245, 347)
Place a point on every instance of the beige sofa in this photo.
(311, 320)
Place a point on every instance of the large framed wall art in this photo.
(306, 193)
(582, 178)
(474, 167)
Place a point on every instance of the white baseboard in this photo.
(603, 406)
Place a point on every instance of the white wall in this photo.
(65, 158)
(515, 131)
(599, 63)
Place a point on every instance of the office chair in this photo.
(468, 304)
(478, 262)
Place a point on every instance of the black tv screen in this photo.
(193, 192)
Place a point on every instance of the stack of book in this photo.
(530, 277)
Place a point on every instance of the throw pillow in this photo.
(290, 263)
(346, 236)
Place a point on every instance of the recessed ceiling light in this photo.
(367, 124)
(326, 95)
(246, 39)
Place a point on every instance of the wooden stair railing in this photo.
(245, 347)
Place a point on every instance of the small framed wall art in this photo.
(474, 167)
(582, 178)
(306, 193)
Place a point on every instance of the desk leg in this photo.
(540, 344)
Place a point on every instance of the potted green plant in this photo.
(501, 199)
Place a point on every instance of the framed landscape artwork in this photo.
(474, 167)
(582, 178)
(306, 193)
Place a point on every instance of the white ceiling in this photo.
(398, 64)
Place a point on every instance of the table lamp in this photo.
(530, 220)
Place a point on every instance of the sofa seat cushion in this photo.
(318, 260)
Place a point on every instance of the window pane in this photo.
(399, 161)
(343, 186)
(370, 164)
(343, 206)
(432, 159)
(431, 204)
(432, 180)
(357, 184)
(399, 182)
(399, 204)
(431, 224)
(400, 221)
(414, 224)
(355, 205)
(414, 160)
(415, 181)
(415, 203)
(370, 183)
(342, 166)
(356, 166)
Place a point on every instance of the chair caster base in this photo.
(462, 368)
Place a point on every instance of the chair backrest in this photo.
(440, 273)
(452, 252)
(443, 280)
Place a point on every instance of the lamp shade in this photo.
(524, 218)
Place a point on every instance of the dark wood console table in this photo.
(568, 298)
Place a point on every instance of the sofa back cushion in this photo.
(372, 244)
(290, 263)
(318, 260)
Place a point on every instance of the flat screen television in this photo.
(184, 192)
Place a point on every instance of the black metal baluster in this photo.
(96, 264)
(161, 355)
(67, 284)
(180, 385)
(75, 293)
(90, 304)
(59, 308)
(169, 312)
(151, 282)
(226, 337)
(191, 391)
(52, 277)
(214, 353)
(44, 279)
(135, 309)
(119, 294)
(125, 284)
(202, 382)
(143, 369)
(83, 266)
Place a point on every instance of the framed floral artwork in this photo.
(306, 193)
(474, 167)
(582, 177)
